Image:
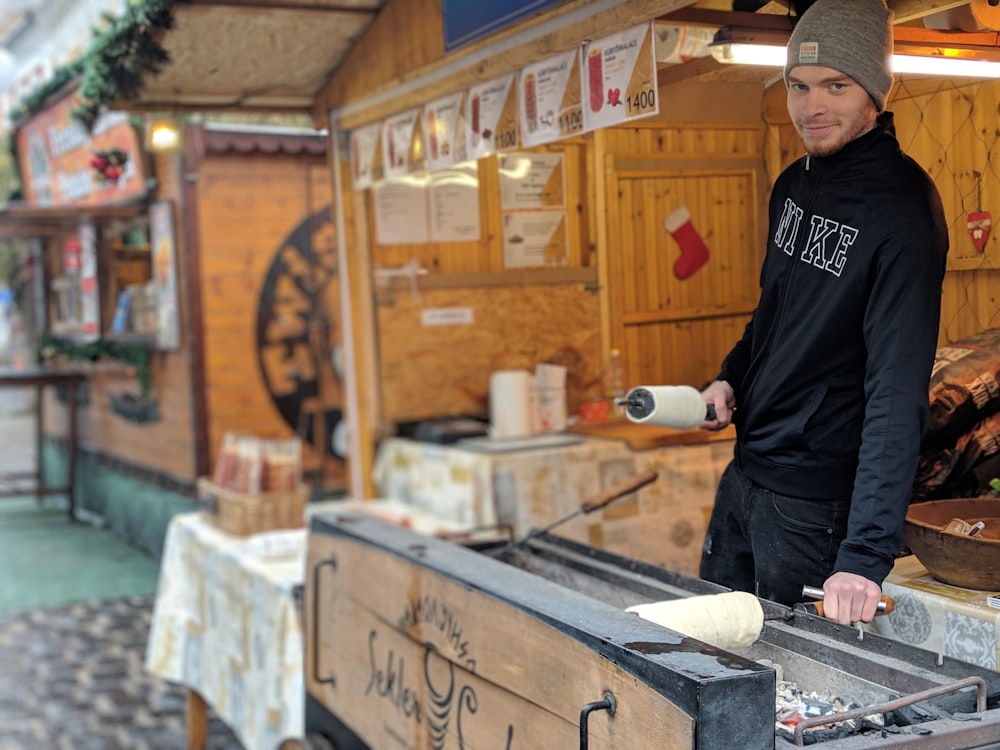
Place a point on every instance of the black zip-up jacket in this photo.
(832, 373)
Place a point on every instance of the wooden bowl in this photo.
(972, 562)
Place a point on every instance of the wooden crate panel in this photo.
(544, 708)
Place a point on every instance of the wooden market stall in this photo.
(203, 302)
(436, 301)
(717, 140)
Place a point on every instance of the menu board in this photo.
(402, 144)
(550, 99)
(401, 212)
(619, 78)
(444, 128)
(366, 156)
(492, 124)
(530, 181)
(453, 204)
(534, 238)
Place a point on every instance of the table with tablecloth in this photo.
(948, 620)
(541, 482)
(226, 626)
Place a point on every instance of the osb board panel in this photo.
(166, 445)
(249, 206)
(440, 371)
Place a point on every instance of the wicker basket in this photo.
(243, 513)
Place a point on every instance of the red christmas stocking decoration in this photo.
(694, 252)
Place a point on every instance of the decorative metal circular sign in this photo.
(297, 316)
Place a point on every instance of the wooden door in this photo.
(675, 330)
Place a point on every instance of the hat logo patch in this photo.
(808, 53)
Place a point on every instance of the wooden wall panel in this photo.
(165, 446)
(430, 372)
(949, 127)
(486, 254)
(673, 330)
(249, 205)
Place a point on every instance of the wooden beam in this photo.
(905, 11)
(693, 313)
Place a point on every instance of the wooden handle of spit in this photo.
(631, 484)
(885, 604)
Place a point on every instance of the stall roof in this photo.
(277, 55)
(259, 55)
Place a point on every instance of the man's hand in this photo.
(720, 395)
(850, 598)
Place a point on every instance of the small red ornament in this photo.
(979, 224)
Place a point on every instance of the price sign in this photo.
(402, 152)
(619, 77)
(492, 117)
(550, 100)
(366, 157)
(443, 122)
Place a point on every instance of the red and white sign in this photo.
(55, 153)
(619, 78)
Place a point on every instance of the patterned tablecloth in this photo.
(961, 623)
(538, 484)
(225, 624)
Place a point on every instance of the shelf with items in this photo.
(128, 302)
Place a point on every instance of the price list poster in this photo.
(445, 129)
(550, 99)
(366, 156)
(492, 117)
(619, 75)
(402, 145)
(533, 199)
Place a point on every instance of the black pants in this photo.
(769, 544)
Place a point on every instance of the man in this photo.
(828, 387)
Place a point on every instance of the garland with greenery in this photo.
(134, 355)
(123, 51)
(122, 54)
(34, 101)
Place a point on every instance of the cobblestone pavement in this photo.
(73, 679)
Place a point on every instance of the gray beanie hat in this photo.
(852, 36)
